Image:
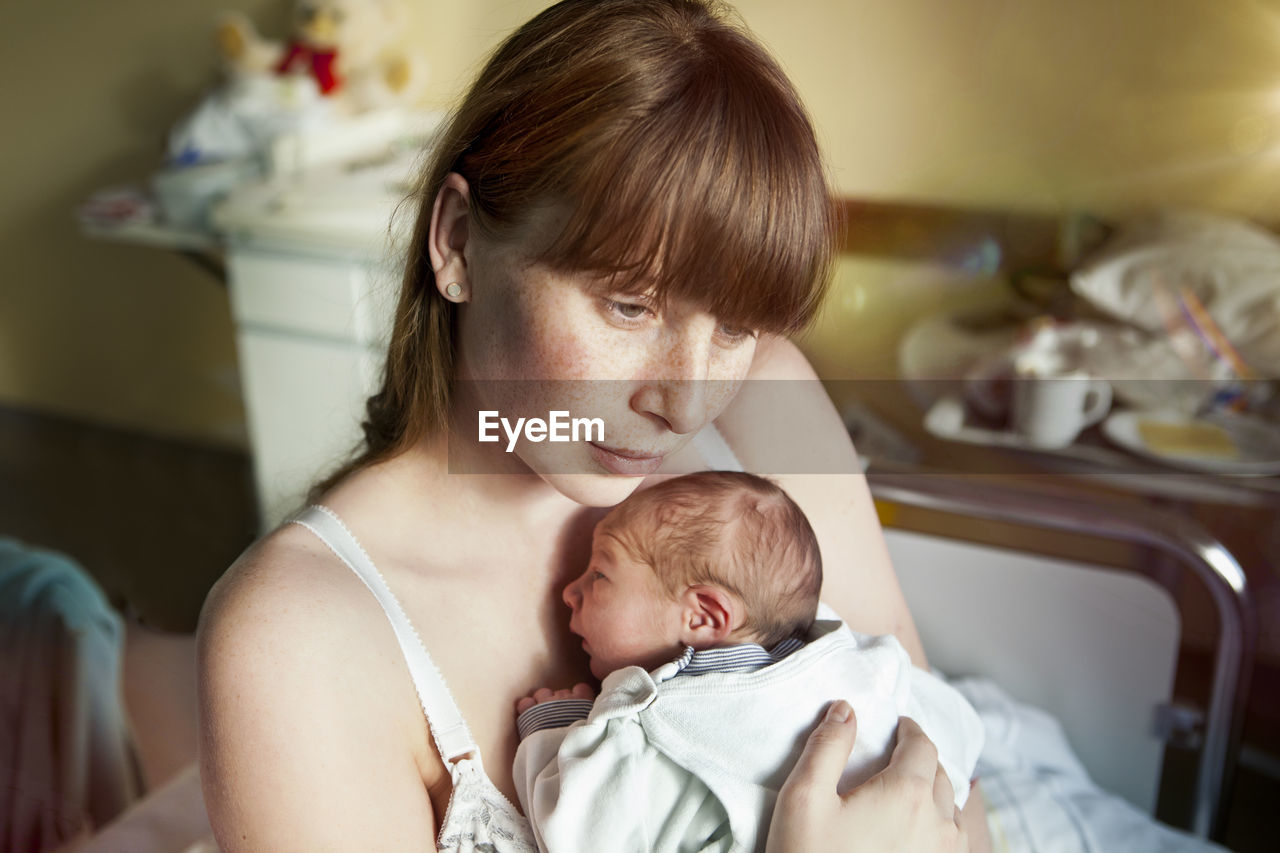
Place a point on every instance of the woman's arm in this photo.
(782, 424)
(296, 749)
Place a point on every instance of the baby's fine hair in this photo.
(730, 529)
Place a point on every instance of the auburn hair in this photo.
(681, 154)
(730, 529)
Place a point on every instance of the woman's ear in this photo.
(447, 240)
(711, 615)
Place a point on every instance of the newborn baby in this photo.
(699, 610)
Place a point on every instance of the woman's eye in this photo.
(597, 576)
(627, 310)
(736, 334)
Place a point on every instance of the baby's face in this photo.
(621, 611)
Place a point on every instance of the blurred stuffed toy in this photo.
(345, 58)
(351, 49)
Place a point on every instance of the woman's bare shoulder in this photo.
(301, 691)
(782, 421)
(290, 609)
(279, 614)
(779, 358)
(285, 579)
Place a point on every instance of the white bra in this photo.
(479, 819)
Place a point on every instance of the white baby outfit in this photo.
(667, 763)
(479, 818)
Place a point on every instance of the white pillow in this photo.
(1231, 266)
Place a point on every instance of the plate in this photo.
(948, 418)
(1234, 445)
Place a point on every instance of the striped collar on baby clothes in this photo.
(743, 657)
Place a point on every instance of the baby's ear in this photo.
(711, 615)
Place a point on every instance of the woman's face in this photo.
(535, 340)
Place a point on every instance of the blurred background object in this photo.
(66, 752)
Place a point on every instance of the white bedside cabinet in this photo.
(313, 268)
(311, 334)
(313, 271)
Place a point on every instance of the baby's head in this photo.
(704, 560)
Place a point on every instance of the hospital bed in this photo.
(1094, 646)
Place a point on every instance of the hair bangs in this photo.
(715, 193)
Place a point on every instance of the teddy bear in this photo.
(350, 49)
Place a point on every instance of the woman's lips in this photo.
(625, 462)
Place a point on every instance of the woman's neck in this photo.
(398, 502)
(484, 483)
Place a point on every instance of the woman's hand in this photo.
(546, 694)
(908, 807)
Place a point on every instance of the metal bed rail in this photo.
(1194, 548)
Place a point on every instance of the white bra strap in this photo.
(452, 737)
(714, 450)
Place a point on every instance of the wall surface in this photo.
(120, 335)
(1042, 104)
(1006, 104)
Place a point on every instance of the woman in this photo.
(630, 192)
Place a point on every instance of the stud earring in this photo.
(454, 290)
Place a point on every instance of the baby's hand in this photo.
(546, 694)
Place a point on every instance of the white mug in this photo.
(1051, 410)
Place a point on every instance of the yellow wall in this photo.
(1022, 104)
(1042, 104)
(120, 335)
(1035, 104)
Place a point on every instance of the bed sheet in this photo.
(1039, 796)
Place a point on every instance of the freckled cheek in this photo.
(717, 394)
(543, 341)
(560, 357)
(725, 382)
(578, 352)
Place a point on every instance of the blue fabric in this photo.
(65, 756)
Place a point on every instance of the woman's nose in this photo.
(680, 403)
(678, 394)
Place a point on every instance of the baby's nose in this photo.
(571, 595)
